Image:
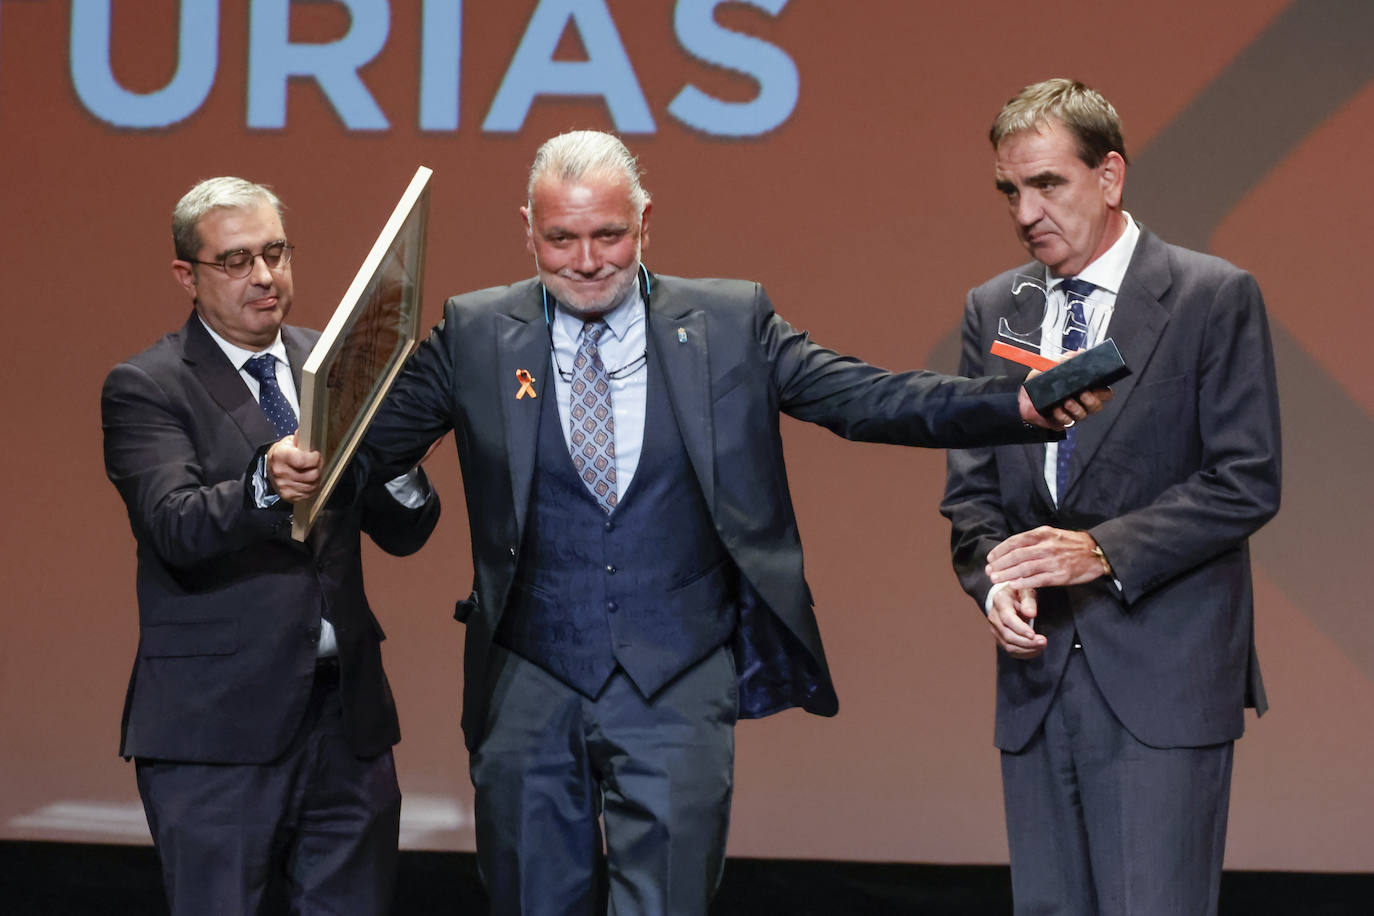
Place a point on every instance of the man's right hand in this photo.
(293, 473)
(1012, 620)
(1066, 414)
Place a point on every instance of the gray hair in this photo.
(223, 193)
(576, 154)
(1083, 112)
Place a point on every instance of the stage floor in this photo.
(70, 879)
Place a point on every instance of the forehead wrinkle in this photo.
(576, 192)
(575, 213)
(243, 224)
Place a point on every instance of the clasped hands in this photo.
(1028, 561)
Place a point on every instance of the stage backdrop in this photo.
(834, 151)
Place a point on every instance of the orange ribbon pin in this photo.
(526, 384)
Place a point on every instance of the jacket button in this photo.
(610, 570)
(612, 606)
(512, 551)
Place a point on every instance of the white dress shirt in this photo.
(1106, 273)
(240, 357)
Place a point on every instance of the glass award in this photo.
(1063, 373)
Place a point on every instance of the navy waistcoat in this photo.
(649, 588)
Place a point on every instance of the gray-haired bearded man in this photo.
(638, 567)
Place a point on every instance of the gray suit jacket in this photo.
(228, 605)
(732, 366)
(1171, 479)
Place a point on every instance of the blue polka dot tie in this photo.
(591, 422)
(263, 367)
(1076, 292)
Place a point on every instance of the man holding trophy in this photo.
(1113, 566)
(638, 570)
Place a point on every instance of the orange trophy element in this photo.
(1024, 357)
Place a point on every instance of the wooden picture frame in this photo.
(361, 350)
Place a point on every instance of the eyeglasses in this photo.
(239, 264)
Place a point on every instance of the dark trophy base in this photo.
(1096, 367)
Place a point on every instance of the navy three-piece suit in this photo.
(714, 535)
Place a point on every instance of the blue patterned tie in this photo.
(263, 367)
(591, 422)
(1075, 337)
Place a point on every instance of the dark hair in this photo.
(1083, 111)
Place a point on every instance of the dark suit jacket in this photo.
(228, 605)
(1171, 479)
(731, 367)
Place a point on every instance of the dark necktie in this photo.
(1075, 338)
(591, 422)
(263, 367)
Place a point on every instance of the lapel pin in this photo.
(681, 335)
(526, 384)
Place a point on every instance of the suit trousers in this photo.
(318, 818)
(554, 764)
(1100, 824)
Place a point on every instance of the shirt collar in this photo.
(1109, 270)
(619, 319)
(238, 355)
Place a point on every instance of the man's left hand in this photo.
(1045, 557)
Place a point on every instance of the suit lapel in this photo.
(677, 338)
(522, 345)
(1137, 323)
(297, 352)
(208, 363)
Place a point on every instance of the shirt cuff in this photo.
(410, 489)
(263, 495)
(992, 593)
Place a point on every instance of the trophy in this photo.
(1062, 374)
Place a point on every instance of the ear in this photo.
(644, 225)
(529, 228)
(184, 272)
(1113, 178)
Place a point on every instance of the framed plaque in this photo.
(361, 350)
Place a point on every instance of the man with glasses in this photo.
(258, 713)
